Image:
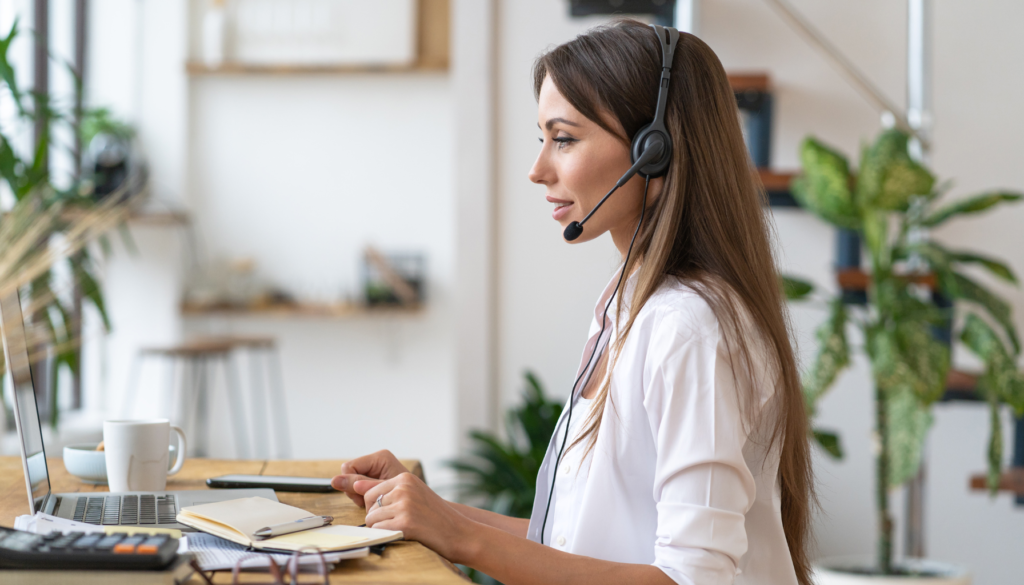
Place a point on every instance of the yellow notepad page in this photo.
(330, 538)
(238, 520)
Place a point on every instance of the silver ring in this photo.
(380, 503)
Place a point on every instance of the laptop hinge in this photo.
(51, 504)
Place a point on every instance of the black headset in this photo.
(651, 154)
(651, 150)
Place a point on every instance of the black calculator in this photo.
(84, 551)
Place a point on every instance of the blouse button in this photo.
(566, 468)
(561, 541)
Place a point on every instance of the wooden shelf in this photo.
(433, 52)
(774, 181)
(741, 82)
(1011, 481)
(858, 280)
(196, 68)
(337, 310)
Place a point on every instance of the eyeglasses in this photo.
(289, 569)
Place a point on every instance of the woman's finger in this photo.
(345, 483)
(363, 486)
(379, 465)
(378, 489)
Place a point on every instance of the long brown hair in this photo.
(708, 228)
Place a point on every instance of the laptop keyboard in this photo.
(126, 510)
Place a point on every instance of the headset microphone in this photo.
(653, 149)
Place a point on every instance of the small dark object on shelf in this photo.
(663, 10)
(393, 279)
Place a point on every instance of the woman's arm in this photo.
(513, 526)
(383, 465)
(410, 506)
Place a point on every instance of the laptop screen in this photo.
(25, 412)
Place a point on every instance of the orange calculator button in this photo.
(146, 549)
(124, 548)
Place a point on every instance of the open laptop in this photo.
(117, 509)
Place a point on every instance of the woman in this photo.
(683, 456)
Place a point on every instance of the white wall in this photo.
(297, 173)
(546, 288)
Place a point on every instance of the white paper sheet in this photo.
(214, 553)
(45, 523)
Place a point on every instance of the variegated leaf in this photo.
(888, 177)
(907, 423)
(824, 186)
(833, 355)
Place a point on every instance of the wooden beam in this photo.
(774, 181)
(856, 279)
(741, 82)
(433, 51)
(1011, 481)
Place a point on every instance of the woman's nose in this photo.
(540, 172)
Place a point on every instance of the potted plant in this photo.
(892, 201)
(501, 475)
(50, 225)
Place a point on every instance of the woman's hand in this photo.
(379, 465)
(407, 504)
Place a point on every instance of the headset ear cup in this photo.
(658, 167)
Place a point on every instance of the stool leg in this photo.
(202, 404)
(261, 430)
(237, 407)
(171, 391)
(281, 433)
(133, 386)
(186, 405)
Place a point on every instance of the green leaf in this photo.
(91, 289)
(6, 70)
(941, 260)
(926, 358)
(876, 237)
(907, 423)
(970, 205)
(824, 187)
(833, 355)
(995, 448)
(994, 266)
(958, 286)
(889, 177)
(829, 441)
(795, 288)
(502, 475)
(1001, 381)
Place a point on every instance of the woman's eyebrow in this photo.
(554, 121)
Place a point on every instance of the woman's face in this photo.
(579, 163)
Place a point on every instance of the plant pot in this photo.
(849, 571)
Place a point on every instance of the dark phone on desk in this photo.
(278, 483)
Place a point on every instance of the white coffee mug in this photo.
(136, 453)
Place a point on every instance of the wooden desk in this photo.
(403, 562)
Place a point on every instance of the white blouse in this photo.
(675, 479)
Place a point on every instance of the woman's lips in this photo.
(561, 210)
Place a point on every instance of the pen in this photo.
(296, 526)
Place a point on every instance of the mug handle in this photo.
(180, 459)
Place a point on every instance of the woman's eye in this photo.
(563, 141)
